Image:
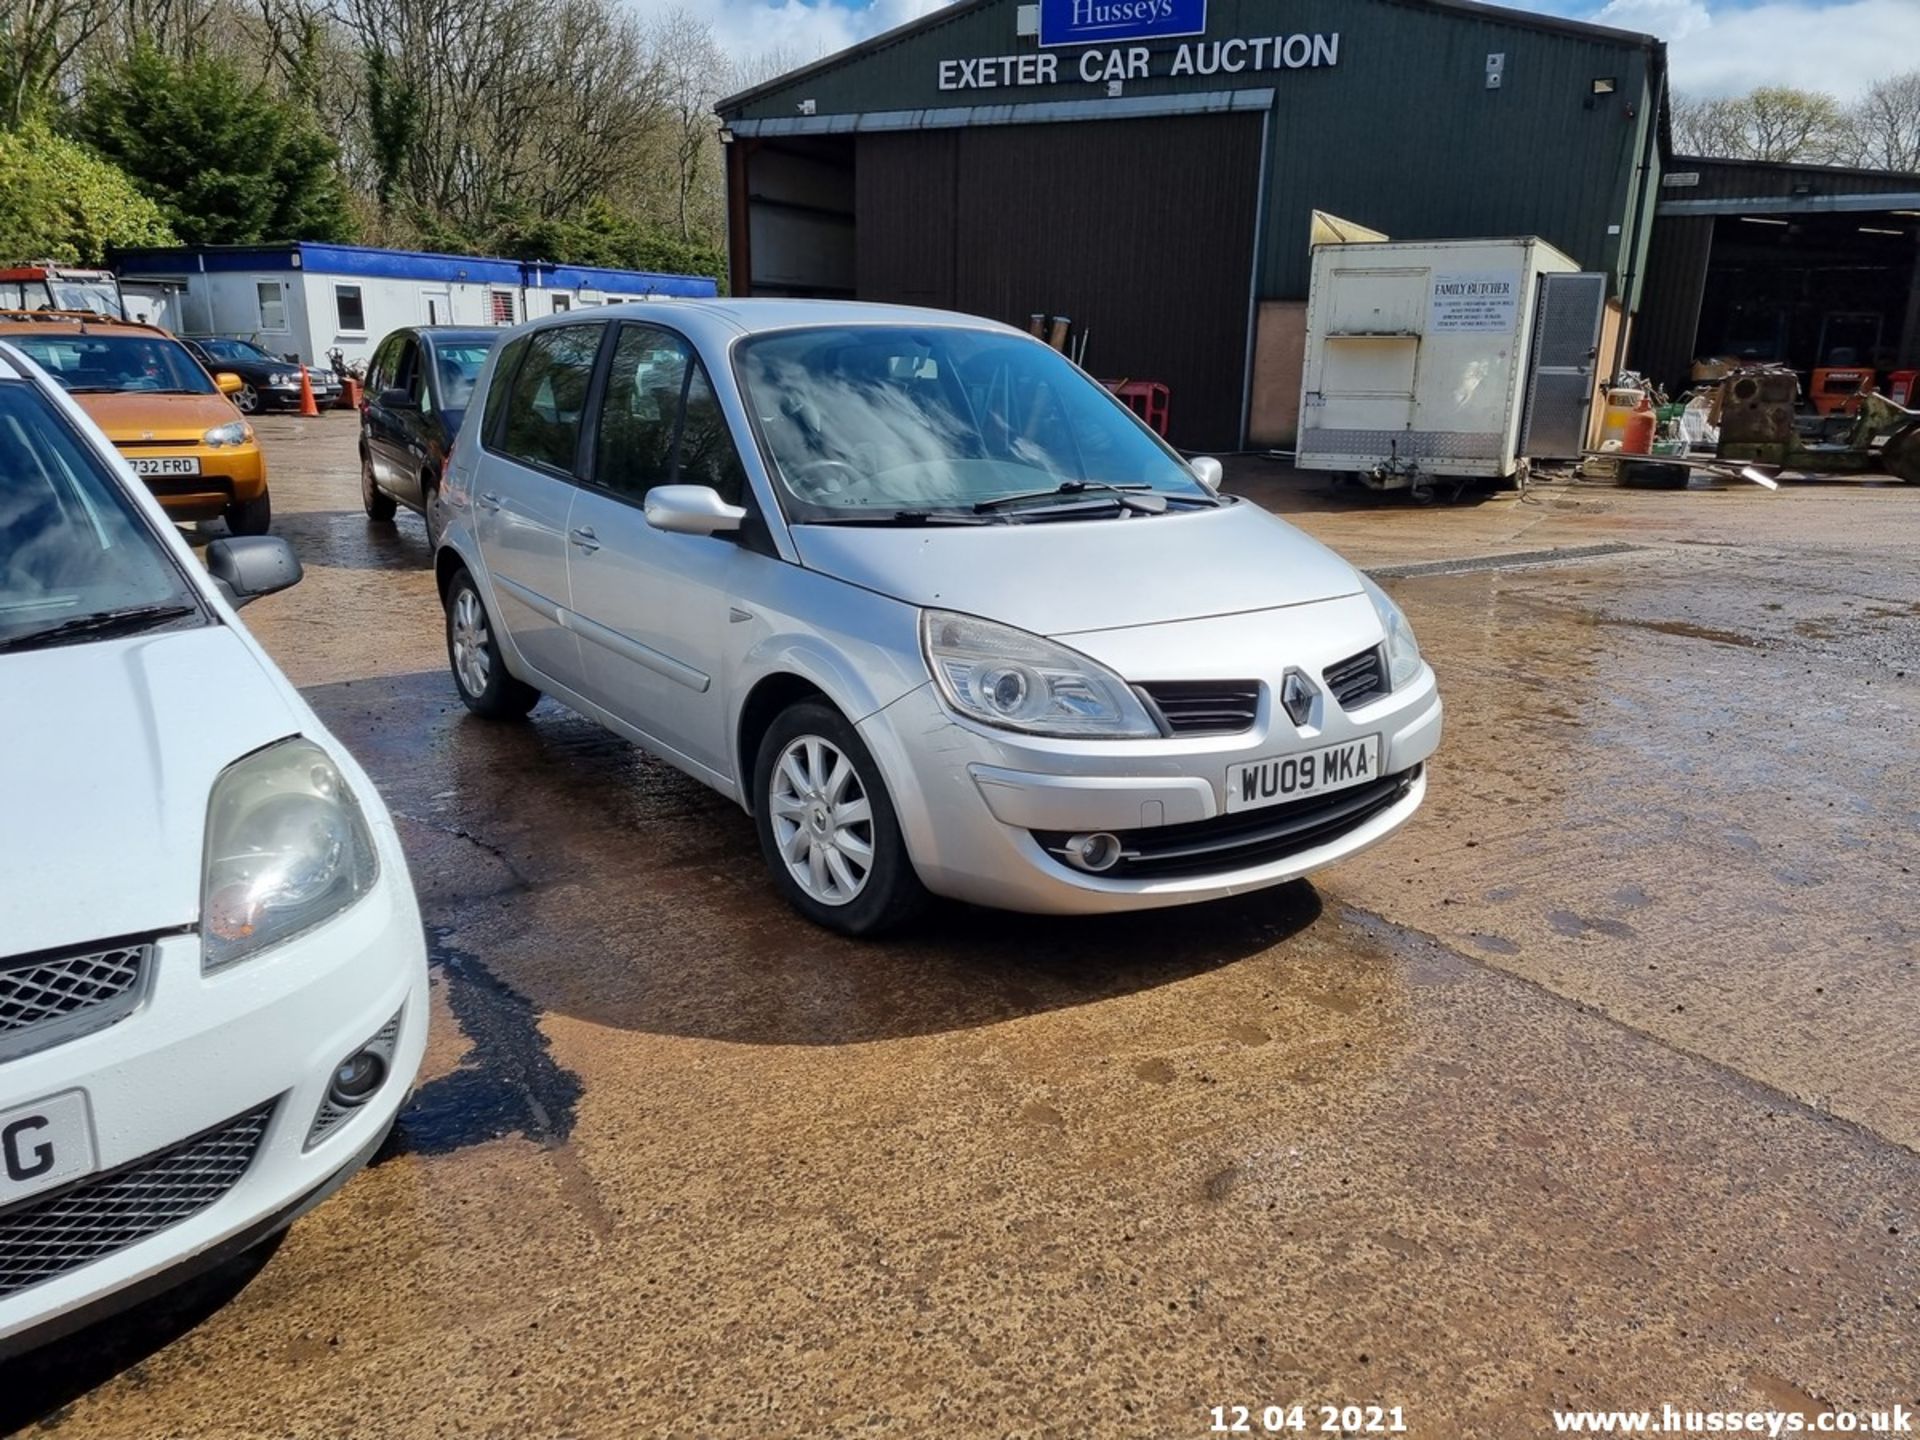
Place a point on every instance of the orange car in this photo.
(162, 410)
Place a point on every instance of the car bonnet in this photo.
(113, 748)
(1063, 577)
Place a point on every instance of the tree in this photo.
(227, 162)
(1885, 125)
(60, 201)
(694, 70)
(38, 42)
(1774, 122)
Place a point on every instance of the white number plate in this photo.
(44, 1144)
(1254, 783)
(165, 464)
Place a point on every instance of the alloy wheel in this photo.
(247, 398)
(472, 661)
(822, 820)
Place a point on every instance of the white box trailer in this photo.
(1447, 362)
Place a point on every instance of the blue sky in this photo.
(1718, 47)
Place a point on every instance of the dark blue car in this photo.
(417, 391)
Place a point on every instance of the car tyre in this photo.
(247, 399)
(250, 517)
(430, 509)
(828, 829)
(473, 653)
(379, 505)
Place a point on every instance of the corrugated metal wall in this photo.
(1140, 231)
(1752, 179)
(1676, 279)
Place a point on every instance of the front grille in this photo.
(183, 442)
(1206, 707)
(53, 1234)
(45, 999)
(1254, 837)
(1359, 679)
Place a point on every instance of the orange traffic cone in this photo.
(307, 406)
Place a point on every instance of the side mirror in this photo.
(229, 382)
(691, 510)
(395, 400)
(1208, 471)
(245, 567)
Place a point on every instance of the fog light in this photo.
(356, 1079)
(1093, 852)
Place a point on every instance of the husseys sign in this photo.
(1138, 62)
(1088, 22)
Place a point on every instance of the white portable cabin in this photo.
(305, 298)
(1446, 361)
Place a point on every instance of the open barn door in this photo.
(1566, 347)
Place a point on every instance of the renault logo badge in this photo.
(1297, 693)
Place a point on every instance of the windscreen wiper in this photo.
(1142, 499)
(903, 517)
(128, 620)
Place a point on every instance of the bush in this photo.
(60, 201)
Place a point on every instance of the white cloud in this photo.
(1727, 49)
(793, 29)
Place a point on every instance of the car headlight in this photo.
(1007, 677)
(284, 377)
(1403, 651)
(238, 433)
(287, 848)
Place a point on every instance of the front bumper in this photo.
(227, 474)
(974, 802)
(288, 396)
(203, 1050)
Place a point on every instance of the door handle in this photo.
(584, 537)
(489, 500)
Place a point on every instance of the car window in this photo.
(72, 545)
(381, 366)
(548, 394)
(633, 446)
(99, 363)
(504, 372)
(708, 455)
(409, 377)
(456, 366)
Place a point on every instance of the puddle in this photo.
(508, 1083)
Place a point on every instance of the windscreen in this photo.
(99, 296)
(891, 418)
(94, 364)
(72, 545)
(457, 367)
(237, 350)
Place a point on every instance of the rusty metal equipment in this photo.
(1755, 412)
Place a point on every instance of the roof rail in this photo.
(82, 318)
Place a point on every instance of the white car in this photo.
(213, 988)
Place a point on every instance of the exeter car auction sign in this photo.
(1092, 22)
(1140, 62)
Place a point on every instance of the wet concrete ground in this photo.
(1595, 1087)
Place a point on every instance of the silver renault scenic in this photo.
(932, 605)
